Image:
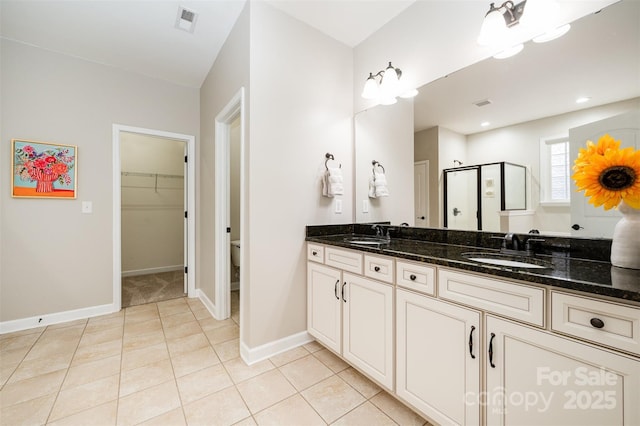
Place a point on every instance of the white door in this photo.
(324, 305)
(536, 378)
(367, 340)
(587, 220)
(438, 358)
(421, 193)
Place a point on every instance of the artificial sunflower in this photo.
(608, 174)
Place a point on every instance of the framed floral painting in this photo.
(43, 170)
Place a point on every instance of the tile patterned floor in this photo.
(171, 363)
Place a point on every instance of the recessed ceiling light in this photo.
(485, 123)
(583, 99)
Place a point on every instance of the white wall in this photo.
(385, 134)
(229, 73)
(301, 108)
(152, 217)
(54, 258)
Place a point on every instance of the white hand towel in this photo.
(380, 185)
(333, 182)
(372, 188)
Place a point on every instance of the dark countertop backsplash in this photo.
(578, 263)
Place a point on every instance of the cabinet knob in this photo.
(377, 269)
(315, 253)
(412, 277)
(597, 322)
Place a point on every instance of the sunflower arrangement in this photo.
(608, 174)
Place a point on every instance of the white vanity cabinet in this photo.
(534, 377)
(324, 306)
(468, 348)
(367, 324)
(438, 358)
(352, 315)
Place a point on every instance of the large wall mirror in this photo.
(529, 101)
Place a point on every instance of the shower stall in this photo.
(475, 195)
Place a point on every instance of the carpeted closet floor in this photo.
(152, 288)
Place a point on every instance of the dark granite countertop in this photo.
(578, 266)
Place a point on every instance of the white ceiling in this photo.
(140, 36)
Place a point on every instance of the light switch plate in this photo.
(365, 206)
(338, 206)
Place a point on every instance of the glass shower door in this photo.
(461, 202)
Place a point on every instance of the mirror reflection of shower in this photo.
(475, 197)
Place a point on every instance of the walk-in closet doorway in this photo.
(152, 200)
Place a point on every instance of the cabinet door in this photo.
(438, 358)
(323, 305)
(368, 327)
(536, 378)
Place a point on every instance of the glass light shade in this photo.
(389, 84)
(371, 89)
(552, 34)
(511, 51)
(388, 100)
(493, 27)
(410, 93)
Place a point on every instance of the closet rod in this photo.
(160, 175)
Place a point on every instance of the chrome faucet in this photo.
(378, 229)
(511, 242)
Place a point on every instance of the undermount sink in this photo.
(373, 241)
(508, 260)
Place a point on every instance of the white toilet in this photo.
(235, 253)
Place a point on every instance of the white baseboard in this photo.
(260, 353)
(160, 269)
(55, 318)
(207, 303)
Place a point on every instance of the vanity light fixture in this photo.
(498, 20)
(388, 88)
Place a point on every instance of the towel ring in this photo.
(328, 157)
(375, 163)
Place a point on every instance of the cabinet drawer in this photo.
(315, 252)
(380, 268)
(346, 260)
(601, 322)
(415, 277)
(505, 298)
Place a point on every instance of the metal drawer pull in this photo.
(473, 327)
(376, 268)
(412, 277)
(491, 351)
(335, 289)
(315, 253)
(597, 322)
(343, 299)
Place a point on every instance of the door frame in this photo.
(426, 183)
(117, 206)
(222, 258)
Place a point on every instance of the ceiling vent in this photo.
(482, 103)
(186, 19)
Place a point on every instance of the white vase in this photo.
(625, 248)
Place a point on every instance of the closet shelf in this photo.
(154, 176)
